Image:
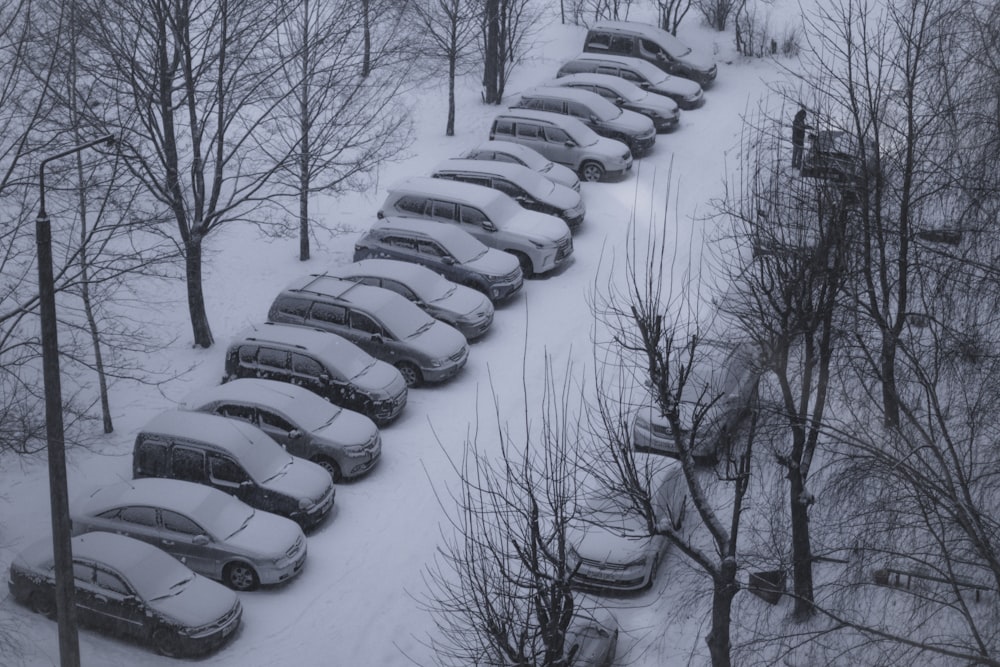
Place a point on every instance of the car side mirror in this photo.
(376, 338)
(294, 434)
(200, 540)
(570, 143)
(593, 118)
(323, 377)
(448, 259)
(619, 100)
(489, 226)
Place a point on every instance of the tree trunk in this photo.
(725, 588)
(890, 402)
(802, 573)
(305, 157)
(366, 67)
(491, 63)
(450, 128)
(196, 296)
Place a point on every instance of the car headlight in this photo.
(436, 363)
(355, 450)
(305, 504)
(539, 245)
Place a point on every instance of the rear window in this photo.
(528, 130)
(248, 354)
(411, 203)
(152, 458)
(293, 306)
(329, 313)
(273, 358)
(503, 127)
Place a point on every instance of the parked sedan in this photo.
(591, 642)
(612, 547)
(464, 308)
(208, 530)
(127, 587)
(687, 94)
(508, 151)
(663, 111)
(346, 443)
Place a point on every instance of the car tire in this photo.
(330, 466)
(165, 642)
(527, 268)
(43, 604)
(240, 576)
(410, 373)
(591, 172)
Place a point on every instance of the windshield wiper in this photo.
(424, 327)
(172, 592)
(281, 471)
(246, 522)
(361, 372)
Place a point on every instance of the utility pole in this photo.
(69, 647)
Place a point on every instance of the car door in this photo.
(517, 193)
(329, 317)
(187, 464)
(558, 151)
(191, 544)
(434, 256)
(370, 337)
(530, 134)
(136, 521)
(272, 364)
(311, 374)
(227, 475)
(115, 601)
(276, 426)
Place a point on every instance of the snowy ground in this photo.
(354, 603)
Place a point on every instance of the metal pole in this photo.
(69, 648)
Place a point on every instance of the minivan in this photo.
(448, 250)
(508, 151)
(632, 129)
(234, 457)
(652, 44)
(663, 111)
(322, 362)
(379, 321)
(521, 183)
(686, 93)
(540, 242)
(564, 140)
(345, 442)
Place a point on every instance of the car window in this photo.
(476, 180)
(152, 458)
(304, 365)
(432, 249)
(293, 306)
(411, 203)
(226, 470)
(621, 45)
(503, 157)
(110, 581)
(273, 358)
(139, 515)
(187, 464)
(578, 110)
(83, 572)
(268, 418)
(598, 40)
(400, 242)
(473, 216)
(399, 288)
(507, 187)
(528, 130)
(361, 322)
(443, 209)
(248, 354)
(503, 127)
(331, 314)
(367, 280)
(244, 412)
(531, 103)
(555, 106)
(179, 523)
(556, 136)
(604, 69)
(629, 75)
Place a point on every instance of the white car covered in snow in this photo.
(508, 151)
(211, 532)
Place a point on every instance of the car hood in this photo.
(537, 226)
(494, 263)
(380, 378)
(633, 122)
(440, 340)
(463, 301)
(602, 545)
(268, 535)
(564, 198)
(697, 61)
(199, 603)
(609, 147)
(348, 428)
(675, 85)
(300, 479)
(562, 175)
(662, 106)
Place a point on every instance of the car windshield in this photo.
(222, 515)
(264, 459)
(672, 45)
(350, 360)
(431, 287)
(605, 110)
(500, 209)
(404, 320)
(310, 412)
(155, 577)
(539, 187)
(584, 136)
(465, 248)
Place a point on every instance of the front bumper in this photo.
(315, 515)
(612, 577)
(455, 363)
(287, 568)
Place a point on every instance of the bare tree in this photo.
(344, 112)
(500, 590)
(670, 13)
(506, 27)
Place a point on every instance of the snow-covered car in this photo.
(540, 242)
(610, 542)
(564, 140)
(468, 310)
(324, 363)
(591, 641)
(235, 457)
(128, 588)
(521, 183)
(379, 321)
(447, 250)
(686, 93)
(346, 443)
(606, 119)
(211, 532)
(652, 44)
(508, 151)
(663, 111)
(722, 393)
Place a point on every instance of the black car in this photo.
(132, 589)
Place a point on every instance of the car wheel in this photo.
(410, 373)
(591, 171)
(43, 604)
(527, 268)
(165, 642)
(330, 466)
(240, 577)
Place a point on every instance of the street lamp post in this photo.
(69, 648)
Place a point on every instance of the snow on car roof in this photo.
(525, 153)
(173, 494)
(568, 123)
(239, 438)
(404, 272)
(131, 557)
(329, 346)
(421, 227)
(652, 72)
(373, 299)
(566, 93)
(509, 170)
(465, 193)
(616, 83)
(250, 390)
(644, 30)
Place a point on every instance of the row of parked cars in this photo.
(224, 487)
